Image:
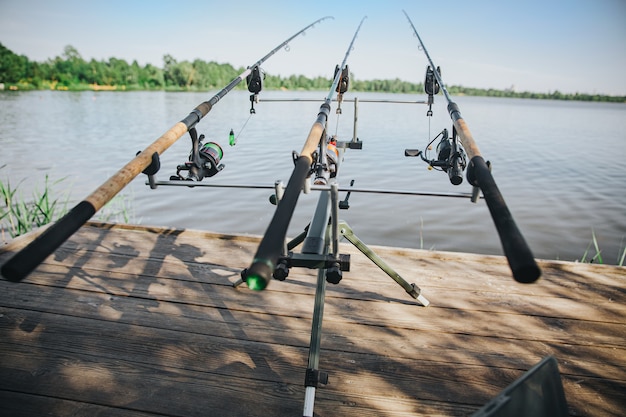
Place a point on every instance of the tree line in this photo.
(71, 72)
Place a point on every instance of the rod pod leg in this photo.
(412, 289)
(313, 375)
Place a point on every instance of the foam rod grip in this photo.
(271, 245)
(516, 250)
(26, 260)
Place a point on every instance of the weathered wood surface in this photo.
(133, 321)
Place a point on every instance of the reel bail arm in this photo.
(204, 159)
(450, 156)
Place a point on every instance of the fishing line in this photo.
(337, 125)
(233, 138)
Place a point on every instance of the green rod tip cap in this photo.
(256, 282)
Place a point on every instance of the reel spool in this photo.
(204, 160)
(450, 156)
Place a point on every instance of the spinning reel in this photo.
(450, 156)
(326, 167)
(204, 160)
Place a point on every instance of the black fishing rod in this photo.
(516, 250)
(147, 161)
(258, 275)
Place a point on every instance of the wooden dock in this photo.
(139, 321)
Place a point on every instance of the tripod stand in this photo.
(320, 250)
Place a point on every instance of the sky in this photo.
(529, 45)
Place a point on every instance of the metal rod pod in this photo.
(260, 272)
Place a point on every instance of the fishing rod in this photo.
(147, 161)
(516, 250)
(260, 272)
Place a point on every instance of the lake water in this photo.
(561, 166)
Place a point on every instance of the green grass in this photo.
(118, 210)
(20, 215)
(622, 257)
(597, 258)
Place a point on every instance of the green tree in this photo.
(151, 77)
(72, 71)
(13, 68)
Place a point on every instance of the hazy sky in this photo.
(533, 45)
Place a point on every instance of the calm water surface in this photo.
(561, 166)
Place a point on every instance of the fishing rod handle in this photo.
(270, 249)
(467, 140)
(516, 250)
(317, 131)
(258, 275)
(26, 260)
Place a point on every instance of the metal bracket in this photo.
(412, 289)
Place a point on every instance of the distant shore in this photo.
(70, 72)
(454, 90)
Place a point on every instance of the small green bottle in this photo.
(231, 138)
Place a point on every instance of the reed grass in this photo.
(118, 210)
(621, 258)
(19, 215)
(597, 258)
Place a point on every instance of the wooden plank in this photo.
(461, 321)
(157, 390)
(455, 358)
(148, 351)
(537, 305)
(128, 293)
(225, 359)
(268, 327)
(18, 404)
(496, 292)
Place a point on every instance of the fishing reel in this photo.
(204, 160)
(326, 167)
(255, 85)
(450, 156)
